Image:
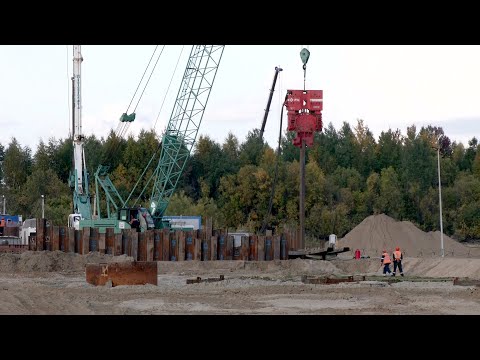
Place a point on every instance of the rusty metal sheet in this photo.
(268, 247)
(276, 247)
(40, 234)
(78, 238)
(283, 248)
(244, 248)
(142, 246)
(125, 242)
(118, 243)
(180, 244)
(70, 234)
(85, 241)
(150, 247)
(222, 247)
(197, 240)
(261, 248)
(213, 248)
(94, 239)
(205, 256)
(165, 245)
(110, 241)
(134, 243)
(124, 273)
(173, 247)
(157, 245)
(252, 248)
(101, 243)
(61, 237)
(229, 247)
(189, 245)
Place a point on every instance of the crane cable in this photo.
(123, 126)
(270, 202)
(174, 71)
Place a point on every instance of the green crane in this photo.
(176, 145)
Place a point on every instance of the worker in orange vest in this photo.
(397, 261)
(386, 263)
(2, 226)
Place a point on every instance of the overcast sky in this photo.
(386, 86)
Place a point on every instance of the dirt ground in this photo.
(54, 283)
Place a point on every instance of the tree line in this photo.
(349, 176)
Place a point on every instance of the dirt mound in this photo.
(378, 232)
(48, 261)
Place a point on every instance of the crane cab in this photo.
(139, 213)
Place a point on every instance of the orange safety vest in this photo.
(2, 223)
(397, 255)
(386, 259)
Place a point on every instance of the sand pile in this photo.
(48, 261)
(378, 232)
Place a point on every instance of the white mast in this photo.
(77, 117)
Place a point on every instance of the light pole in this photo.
(3, 204)
(440, 197)
(43, 207)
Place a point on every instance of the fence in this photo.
(161, 245)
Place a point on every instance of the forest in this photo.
(349, 176)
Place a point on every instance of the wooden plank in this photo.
(150, 247)
(142, 246)
(276, 247)
(110, 241)
(181, 245)
(252, 249)
(261, 248)
(198, 248)
(189, 245)
(85, 240)
(165, 245)
(101, 243)
(208, 228)
(118, 244)
(213, 248)
(157, 245)
(244, 248)
(134, 243)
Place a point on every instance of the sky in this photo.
(388, 86)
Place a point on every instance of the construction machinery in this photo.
(267, 109)
(168, 162)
